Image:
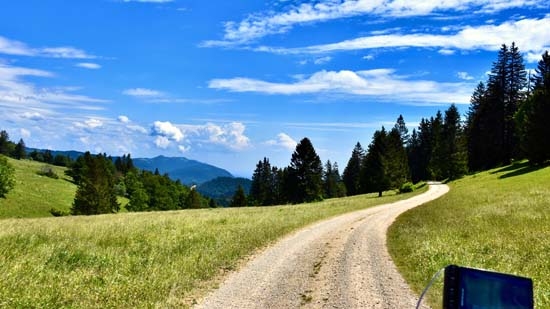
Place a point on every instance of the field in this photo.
(498, 220)
(34, 195)
(152, 259)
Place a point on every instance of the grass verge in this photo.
(158, 259)
(498, 220)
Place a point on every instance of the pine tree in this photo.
(532, 116)
(137, 195)
(516, 77)
(20, 151)
(239, 198)
(439, 154)
(5, 148)
(48, 157)
(193, 200)
(261, 189)
(402, 129)
(413, 156)
(352, 172)
(332, 182)
(454, 144)
(306, 172)
(474, 128)
(373, 171)
(396, 163)
(96, 191)
(212, 203)
(7, 176)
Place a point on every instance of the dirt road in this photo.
(338, 263)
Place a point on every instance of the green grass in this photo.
(34, 195)
(498, 220)
(157, 259)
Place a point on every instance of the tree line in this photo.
(505, 122)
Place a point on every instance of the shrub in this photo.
(7, 176)
(58, 213)
(48, 172)
(406, 187)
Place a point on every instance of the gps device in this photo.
(470, 288)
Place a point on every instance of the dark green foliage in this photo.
(124, 164)
(261, 189)
(402, 129)
(136, 193)
(406, 187)
(419, 151)
(332, 182)
(395, 159)
(454, 143)
(48, 157)
(533, 115)
(6, 146)
(239, 199)
(48, 172)
(59, 213)
(95, 193)
(194, 199)
(36, 156)
(7, 176)
(221, 189)
(61, 160)
(212, 203)
(439, 156)
(352, 172)
(305, 174)
(373, 170)
(20, 151)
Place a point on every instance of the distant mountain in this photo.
(222, 189)
(188, 171)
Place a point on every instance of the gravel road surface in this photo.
(342, 262)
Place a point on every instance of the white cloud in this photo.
(381, 83)
(36, 116)
(25, 133)
(168, 130)
(142, 92)
(183, 149)
(531, 35)
(162, 142)
(283, 140)
(230, 135)
(88, 65)
(12, 47)
(258, 25)
(123, 119)
(446, 52)
(368, 57)
(93, 123)
(464, 76)
(322, 60)
(137, 128)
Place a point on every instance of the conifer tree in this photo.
(20, 151)
(239, 198)
(439, 154)
(193, 200)
(454, 145)
(396, 164)
(261, 189)
(474, 128)
(402, 129)
(96, 189)
(136, 193)
(373, 170)
(352, 172)
(332, 182)
(413, 156)
(48, 157)
(533, 115)
(306, 173)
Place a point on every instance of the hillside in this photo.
(223, 188)
(499, 220)
(187, 171)
(35, 195)
(80, 261)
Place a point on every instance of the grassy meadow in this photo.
(163, 259)
(497, 220)
(34, 195)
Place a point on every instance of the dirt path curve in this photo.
(342, 262)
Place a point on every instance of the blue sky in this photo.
(229, 82)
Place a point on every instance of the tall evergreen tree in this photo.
(516, 78)
(402, 129)
(261, 189)
(48, 157)
(20, 151)
(373, 170)
(193, 200)
(96, 189)
(239, 199)
(306, 172)
(454, 145)
(413, 156)
(533, 115)
(352, 172)
(332, 182)
(439, 154)
(6, 146)
(396, 163)
(137, 195)
(474, 128)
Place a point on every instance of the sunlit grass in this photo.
(497, 220)
(143, 259)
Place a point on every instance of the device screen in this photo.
(488, 290)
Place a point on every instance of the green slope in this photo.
(497, 220)
(156, 259)
(35, 195)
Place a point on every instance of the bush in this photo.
(58, 213)
(406, 187)
(7, 176)
(48, 172)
